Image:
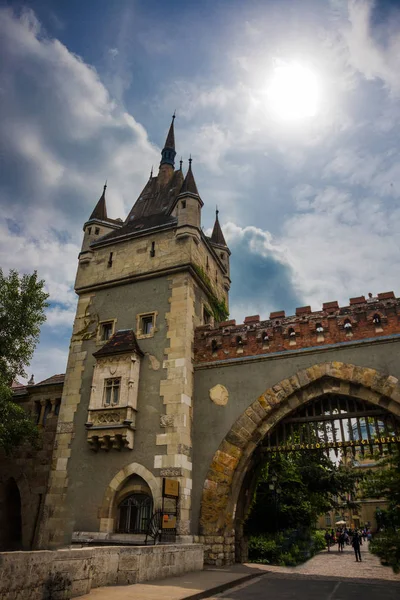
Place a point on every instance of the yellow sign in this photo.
(169, 522)
(171, 487)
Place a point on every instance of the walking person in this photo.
(356, 545)
(328, 540)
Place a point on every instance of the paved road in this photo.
(274, 586)
(341, 565)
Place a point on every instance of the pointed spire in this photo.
(189, 185)
(100, 210)
(217, 237)
(168, 152)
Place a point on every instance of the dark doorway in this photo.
(10, 517)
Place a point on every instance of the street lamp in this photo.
(274, 487)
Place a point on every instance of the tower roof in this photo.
(170, 141)
(100, 210)
(168, 152)
(189, 184)
(217, 237)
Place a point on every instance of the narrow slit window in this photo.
(110, 260)
(183, 203)
(106, 331)
(147, 324)
(97, 230)
(153, 249)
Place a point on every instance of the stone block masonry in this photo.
(64, 574)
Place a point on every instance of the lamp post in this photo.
(274, 487)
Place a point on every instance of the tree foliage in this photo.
(384, 482)
(22, 305)
(310, 484)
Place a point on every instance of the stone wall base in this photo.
(64, 574)
(219, 550)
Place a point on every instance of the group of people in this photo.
(353, 537)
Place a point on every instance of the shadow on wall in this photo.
(10, 516)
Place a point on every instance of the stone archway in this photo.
(233, 457)
(107, 520)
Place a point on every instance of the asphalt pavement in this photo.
(274, 586)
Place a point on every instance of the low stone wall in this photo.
(64, 574)
(219, 550)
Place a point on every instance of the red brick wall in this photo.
(228, 340)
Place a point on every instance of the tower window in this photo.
(97, 230)
(146, 324)
(106, 330)
(206, 316)
(111, 391)
(183, 204)
(153, 249)
(110, 260)
(89, 230)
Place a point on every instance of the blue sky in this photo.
(309, 205)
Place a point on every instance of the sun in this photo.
(293, 92)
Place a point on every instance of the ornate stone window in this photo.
(113, 401)
(146, 325)
(111, 391)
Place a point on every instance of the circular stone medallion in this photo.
(219, 394)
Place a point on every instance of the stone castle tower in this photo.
(143, 286)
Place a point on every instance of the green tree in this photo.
(309, 484)
(22, 306)
(384, 482)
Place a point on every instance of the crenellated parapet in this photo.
(361, 319)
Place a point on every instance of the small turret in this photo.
(218, 242)
(99, 223)
(188, 206)
(217, 237)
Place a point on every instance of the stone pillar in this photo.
(56, 526)
(177, 392)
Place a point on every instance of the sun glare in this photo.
(293, 92)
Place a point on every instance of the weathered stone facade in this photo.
(26, 472)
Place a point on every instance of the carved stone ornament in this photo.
(167, 420)
(219, 394)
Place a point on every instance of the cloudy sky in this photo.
(290, 109)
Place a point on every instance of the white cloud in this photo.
(343, 247)
(61, 136)
(374, 55)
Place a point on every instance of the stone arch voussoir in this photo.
(231, 460)
(106, 509)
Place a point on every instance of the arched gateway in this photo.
(231, 475)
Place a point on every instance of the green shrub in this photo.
(290, 548)
(386, 545)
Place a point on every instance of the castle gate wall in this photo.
(245, 379)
